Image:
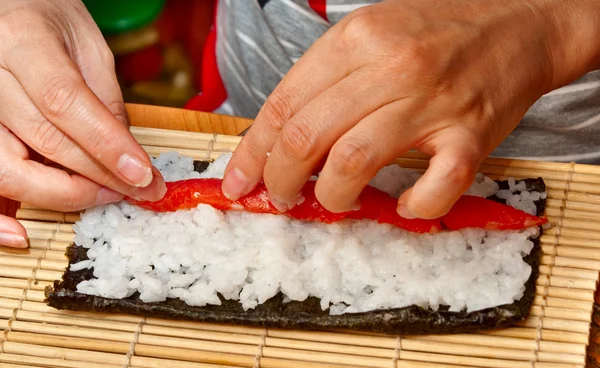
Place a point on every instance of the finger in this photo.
(12, 233)
(357, 156)
(315, 72)
(311, 132)
(451, 172)
(19, 114)
(96, 62)
(59, 91)
(31, 182)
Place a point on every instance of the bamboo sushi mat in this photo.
(556, 334)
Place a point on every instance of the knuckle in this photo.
(59, 96)
(458, 172)
(299, 141)
(351, 157)
(106, 55)
(12, 20)
(48, 139)
(119, 112)
(277, 110)
(108, 179)
(360, 25)
(101, 140)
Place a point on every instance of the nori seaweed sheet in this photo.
(305, 315)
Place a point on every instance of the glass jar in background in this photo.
(157, 46)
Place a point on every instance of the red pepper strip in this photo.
(470, 211)
(375, 205)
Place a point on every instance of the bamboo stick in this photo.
(568, 282)
(506, 342)
(48, 234)
(83, 344)
(568, 272)
(193, 355)
(25, 315)
(19, 360)
(329, 347)
(229, 336)
(61, 227)
(40, 215)
(200, 155)
(564, 303)
(144, 362)
(35, 253)
(72, 331)
(583, 264)
(479, 362)
(569, 241)
(532, 333)
(556, 324)
(63, 353)
(6, 313)
(45, 264)
(203, 345)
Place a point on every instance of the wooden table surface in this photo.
(187, 120)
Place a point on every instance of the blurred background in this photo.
(158, 46)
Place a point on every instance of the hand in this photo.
(59, 95)
(451, 79)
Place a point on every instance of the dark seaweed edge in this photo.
(306, 315)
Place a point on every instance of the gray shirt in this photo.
(258, 41)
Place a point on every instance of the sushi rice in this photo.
(351, 266)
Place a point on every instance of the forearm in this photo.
(573, 29)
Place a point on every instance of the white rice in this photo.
(351, 266)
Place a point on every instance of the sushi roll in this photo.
(195, 255)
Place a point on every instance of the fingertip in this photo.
(12, 233)
(155, 191)
(235, 184)
(404, 212)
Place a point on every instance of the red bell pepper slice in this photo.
(376, 205)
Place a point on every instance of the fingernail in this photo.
(106, 195)
(160, 182)
(134, 170)
(235, 184)
(405, 213)
(280, 206)
(13, 240)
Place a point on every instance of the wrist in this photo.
(572, 29)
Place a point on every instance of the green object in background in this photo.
(118, 16)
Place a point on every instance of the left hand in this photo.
(451, 79)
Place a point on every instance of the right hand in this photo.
(59, 95)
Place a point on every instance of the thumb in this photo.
(12, 233)
(451, 172)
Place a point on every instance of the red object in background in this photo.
(319, 6)
(141, 65)
(188, 22)
(212, 90)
